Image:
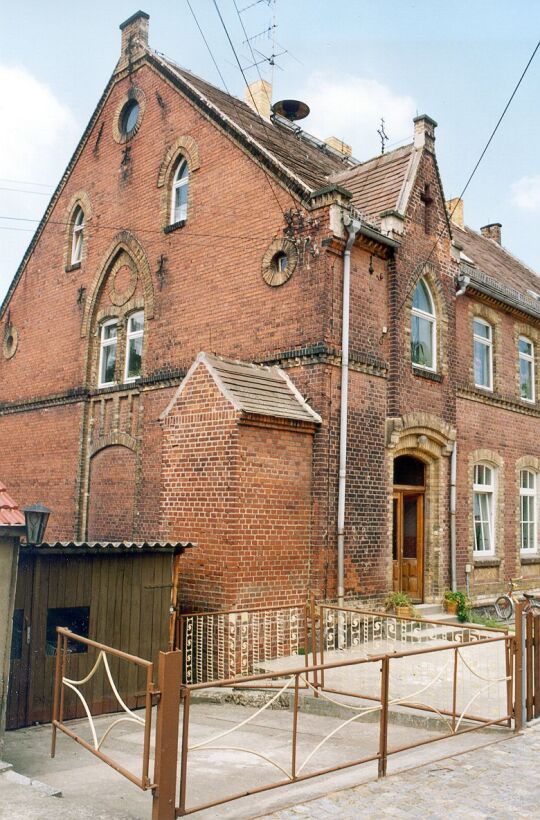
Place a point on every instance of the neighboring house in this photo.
(189, 221)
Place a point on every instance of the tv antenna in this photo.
(383, 136)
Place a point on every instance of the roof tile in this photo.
(10, 514)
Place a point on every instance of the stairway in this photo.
(435, 612)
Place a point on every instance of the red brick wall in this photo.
(112, 495)
(243, 494)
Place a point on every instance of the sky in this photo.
(353, 63)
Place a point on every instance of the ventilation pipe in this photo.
(352, 226)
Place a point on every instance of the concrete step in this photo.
(435, 612)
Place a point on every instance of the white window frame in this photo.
(487, 343)
(103, 343)
(176, 184)
(529, 358)
(132, 334)
(77, 236)
(489, 493)
(431, 318)
(528, 492)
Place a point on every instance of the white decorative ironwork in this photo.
(73, 684)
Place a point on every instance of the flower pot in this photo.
(403, 611)
(450, 607)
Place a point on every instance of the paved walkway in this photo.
(499, 782)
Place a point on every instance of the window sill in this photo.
(530, 559)
(74, 266)
(485, 391)
(175, 226)
(491, 561)
(431, 375)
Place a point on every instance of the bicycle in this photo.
(505, 605)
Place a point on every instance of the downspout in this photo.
(352, 226)
(453, 557)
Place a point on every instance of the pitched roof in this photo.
(10, 514)
(495, 261)
(311, 164)
(252, 388)
(376, 185)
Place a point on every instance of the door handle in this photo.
(28, 632)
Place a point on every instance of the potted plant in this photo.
(400, 603)
(457, 603)
(450, 602)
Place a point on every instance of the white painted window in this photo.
(526, 369)
(423, 328)
(179, 193)
(77, 236)
(483, 354)
(483, 507)
(528, 511)
(134, 346)
(107, 353)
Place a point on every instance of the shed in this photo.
(118, 594)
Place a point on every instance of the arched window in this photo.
(77, 233)
(527, 511)
(484, 509)
(179, 193)
(483, 354)
(423, 328)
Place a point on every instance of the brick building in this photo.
(190, 221)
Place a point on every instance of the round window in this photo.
(280, 261)
(129, 117)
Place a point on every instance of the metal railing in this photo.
(383, 684)
(62, 682)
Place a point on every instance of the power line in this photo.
(95, 227)
(22, 191)
(480, 158)
(251, 95)
(23, 182)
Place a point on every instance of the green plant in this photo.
(464, 612)
(483, 620)
(394, 599)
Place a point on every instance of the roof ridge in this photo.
(497, 246)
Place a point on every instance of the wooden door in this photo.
(19, 674)
(408, 543)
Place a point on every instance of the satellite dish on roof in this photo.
(291, 109)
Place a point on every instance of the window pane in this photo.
(109, 331)
(482, 374)
(527, 479)
(180, 202)
(77, 246)
(422, 298)
(422, 341)
(482, 522)
(134, 357)
(525, 347)
(74, 618)
(108, 363)
(526, 379)
(480, 329)
(136, 322)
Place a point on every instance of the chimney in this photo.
(454, 208)
(492, 231)
(258, 96)
(134, 38)
(339, 146)
(424, 132)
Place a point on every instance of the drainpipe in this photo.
(352, 226)
(453, 557)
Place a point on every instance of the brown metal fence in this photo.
(369, 664)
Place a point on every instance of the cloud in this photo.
(351, 108)
(36, 142)
(526, 193)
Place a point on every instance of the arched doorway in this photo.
(408, 526)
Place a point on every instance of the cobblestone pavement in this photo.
(499, 782)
